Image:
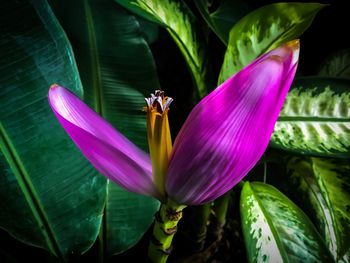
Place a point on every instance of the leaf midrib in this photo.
(326, 197)
(319, 199)
(312, 119)
(95, 63)
(98, 106)
(29, 192)
(274, 231)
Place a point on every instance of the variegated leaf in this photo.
(323, 188)
(315, 118)
(264, 29)
(182, 25)
(276, 230)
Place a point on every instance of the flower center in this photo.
(159, 138)
(158, 101)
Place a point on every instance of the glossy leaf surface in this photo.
(276, 230)
(118, 72)
(50, 196)
(182, 25)
(264, 29)
(315, 118)
(323, 187)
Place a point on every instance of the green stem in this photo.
(220, 208)
(265, 168)
(200, 225)
(216, 227)
(164, 230)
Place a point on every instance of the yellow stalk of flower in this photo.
(159, 137)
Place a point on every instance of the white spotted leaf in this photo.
(322, 187)
(276, 230)
(265, 29)
(315, 118)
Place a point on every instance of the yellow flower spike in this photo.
(159, 138)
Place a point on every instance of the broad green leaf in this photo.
(149, 30)
(264, 29)
(128, 217)
(117, 71)
(315, 118)
(182, 25)
(224, 17)
(50, 196)
(323, 186)
(276, 230)
(338, 65)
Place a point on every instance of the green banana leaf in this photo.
(117, 71)
(50, 196)
(150, 31)
(337, 65)
(179, 21)
(315, 118)
(265, 29)
(223, 17)
(323, 188)
(276, 230)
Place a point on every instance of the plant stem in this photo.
(220, 208)
(200, 225)
(265, 168)
(164, 229)
(217, 223)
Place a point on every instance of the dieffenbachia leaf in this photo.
(323, 186)
(118, 72)
(315, 118)
(338, 65)
(182, 25)
(264, 29)
(224, 17)
(50, 196)
(276, 230)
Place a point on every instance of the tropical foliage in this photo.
(111, 54)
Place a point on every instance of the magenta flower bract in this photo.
(222, 139)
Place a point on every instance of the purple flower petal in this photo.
(229, 130)
(110, 152)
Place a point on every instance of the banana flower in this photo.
(222, 139)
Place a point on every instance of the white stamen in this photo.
(167, 103)
(161, 103)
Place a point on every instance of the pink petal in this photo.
(229, 130)
(109, 152)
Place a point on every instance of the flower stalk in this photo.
(164, 229)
